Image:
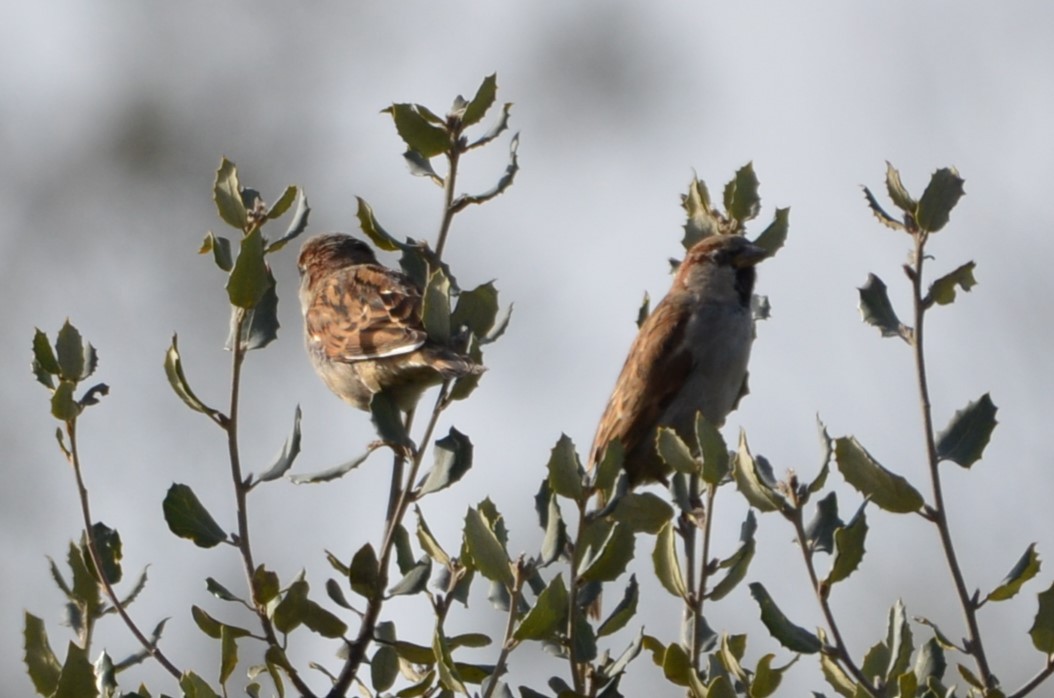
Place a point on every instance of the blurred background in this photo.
(116, 115)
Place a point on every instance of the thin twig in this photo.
(508, 643)
(93, 551)
(357, 650)
(448, 194)
(241, 491)
(704, 567)
(577, 676)
(975, 645)
(1035, 681)
(841, 651)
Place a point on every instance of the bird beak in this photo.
(749, 256)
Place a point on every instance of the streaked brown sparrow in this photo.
(363, 327)
(689, 356)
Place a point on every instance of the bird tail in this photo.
(450, 364)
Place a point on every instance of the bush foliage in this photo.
(550, 596)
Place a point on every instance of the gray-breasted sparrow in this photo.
(363, 327)
(689, 356)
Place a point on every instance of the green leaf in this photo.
(608, 562)
(321, 621)
(219, 591)
(285, 200)
(820, 530)
(643, 512)
(1025, 569)
(420, 166)
(766, 679)
(108, 546)
(388, 420)
(741, 195)
(42, 665)
(228, 653)
(939, 635)
(610, 466)
(193, 686)
(428, 543)
(827, 448)
(548, 613)
(791, 636)
(476, 309)
(774, 236)
(886, 489)
(259, 324)
(720, 687)
(624, 611)
(178, 381)
(482, 102)
(899, 641)
(417, 131)
(364, 572)
(702, 221)
(898, 193)
(435, 306)
(63, 405)
(374, 231)
(941, 195)
(76, 359)
(290, 450)
(414, 581)
(930, 662)
(836, 677)
(676, 667)
(667, 566)
(384, 668)
(448, 673)
(849, 547)
(404, 552)
(226, 192)
(876, 661)
(297, 224)
(964, 439)
(290, 611)
(739, 562)
(220, 247)
(877, 311)
(45, 365)
(503, 183)
(332, 473)
(250, 278)
(86, 589)
(565, 470)
(77, 678)
(488, 553)
(584, 647)
(451, 460)
(1042, 630)
(880, 213)
(554, 543)
(942, 291)
(675, 453)
(755, 481)
(496, 130)
(188, 518)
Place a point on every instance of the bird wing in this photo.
(366, 311)
(657, 366)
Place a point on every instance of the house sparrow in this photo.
(363, 327)
(689, 356)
